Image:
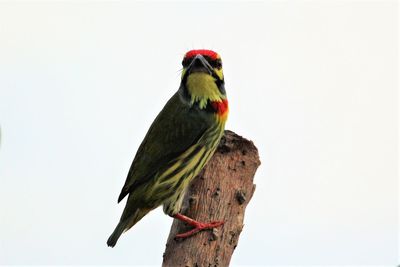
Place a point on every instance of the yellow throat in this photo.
(202, 88)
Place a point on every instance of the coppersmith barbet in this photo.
(179, 143)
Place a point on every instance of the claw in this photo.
(198, 226)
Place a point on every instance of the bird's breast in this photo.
(220, 108)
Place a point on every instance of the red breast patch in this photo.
(221, 107)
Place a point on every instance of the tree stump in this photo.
(220, 192)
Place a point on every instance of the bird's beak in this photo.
(199, 64)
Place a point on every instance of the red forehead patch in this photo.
(204, 52)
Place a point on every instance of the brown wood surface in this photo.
(220, 192)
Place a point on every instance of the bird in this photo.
(178, 144)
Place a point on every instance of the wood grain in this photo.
(220, 192)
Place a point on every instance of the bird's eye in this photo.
(185, 62)
(217, 64)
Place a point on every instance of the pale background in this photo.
(313, 84)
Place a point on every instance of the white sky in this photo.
(313, 84)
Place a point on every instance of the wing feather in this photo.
(176, 128)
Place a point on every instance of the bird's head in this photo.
(202, 77)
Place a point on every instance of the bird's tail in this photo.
(125, 225)
(112, 240)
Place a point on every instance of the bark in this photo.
(220, 192)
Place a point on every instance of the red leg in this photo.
(198, 226)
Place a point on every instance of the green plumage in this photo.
(178, 144)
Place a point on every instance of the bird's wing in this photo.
(175, 129)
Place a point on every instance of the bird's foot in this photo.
(198, 226)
